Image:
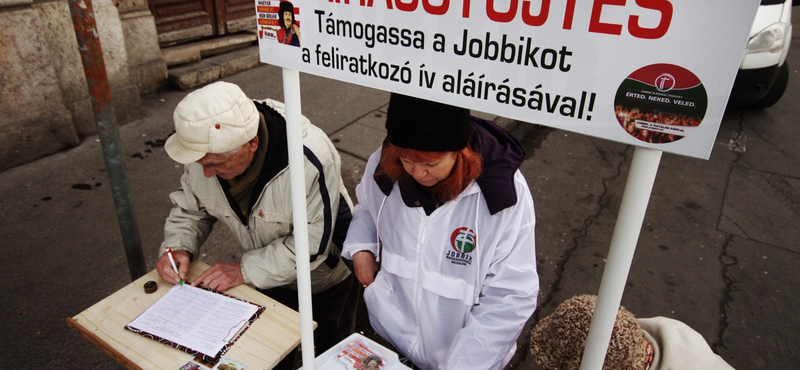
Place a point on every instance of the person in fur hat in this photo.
(659, 343)
(289, 32)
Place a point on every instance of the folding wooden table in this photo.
(262, 346)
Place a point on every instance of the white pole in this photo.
(294, 137)
(635, 197)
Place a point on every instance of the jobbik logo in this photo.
(462, 243)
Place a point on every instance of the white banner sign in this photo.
(652, 73)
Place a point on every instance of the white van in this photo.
(763, 73)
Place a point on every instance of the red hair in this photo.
(468, 166)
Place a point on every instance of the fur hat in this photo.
(217, 118)
(285, 6)
(425, 125)
(558, 340)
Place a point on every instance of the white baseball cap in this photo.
(217, 118)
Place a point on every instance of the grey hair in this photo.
(232, 152)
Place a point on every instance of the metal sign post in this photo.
(635, 197)
(291, 96)
(97, 80)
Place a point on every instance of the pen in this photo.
(174, 266)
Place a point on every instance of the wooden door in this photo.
(180, 21)
(238, 15)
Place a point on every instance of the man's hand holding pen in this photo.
(167, 272)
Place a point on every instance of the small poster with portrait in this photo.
(277, 21)
(356, 356)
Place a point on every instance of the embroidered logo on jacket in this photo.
(462, 241)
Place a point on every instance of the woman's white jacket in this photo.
(455, 287)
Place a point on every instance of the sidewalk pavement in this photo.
(718, 249)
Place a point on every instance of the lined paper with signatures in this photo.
(195, 318)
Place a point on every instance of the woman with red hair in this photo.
(443, 238)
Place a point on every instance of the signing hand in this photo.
(365, 267)
(221, 277)
(165, 270)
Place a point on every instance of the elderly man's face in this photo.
(229, 166)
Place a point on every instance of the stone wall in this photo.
(148, 71)
(44, 99)
(34, 120)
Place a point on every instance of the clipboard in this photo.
(161, 325)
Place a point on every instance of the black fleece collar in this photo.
(277, 157)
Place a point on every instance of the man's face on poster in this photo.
(287, 19)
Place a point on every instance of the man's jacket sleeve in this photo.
(188, 223)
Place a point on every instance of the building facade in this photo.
(44, 99)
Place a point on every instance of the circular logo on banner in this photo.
(660, 103)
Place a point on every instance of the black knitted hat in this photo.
(429, 126)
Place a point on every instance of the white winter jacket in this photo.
(265, 235)
(455, 287)
(676, 346)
